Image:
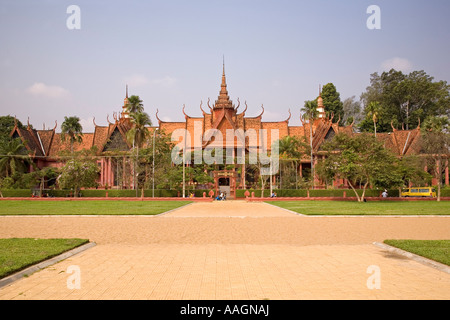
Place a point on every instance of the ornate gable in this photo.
(116, 142)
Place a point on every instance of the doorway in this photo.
(224, 186)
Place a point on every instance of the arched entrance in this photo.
(225, 181)
(224, 186)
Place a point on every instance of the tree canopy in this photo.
(6, 125)
(404, 99)
(332, 102)
(436, 146)
(360, 159)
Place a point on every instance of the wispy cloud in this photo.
(44, 90)
(167, 81)
(136, 80)
(87, 124)
(399, 64)
(139, 80)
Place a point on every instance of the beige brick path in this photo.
(232, 250)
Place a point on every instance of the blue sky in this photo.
(277, 53)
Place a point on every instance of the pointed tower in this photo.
(223, 101)
(125, 113)
(320, 107)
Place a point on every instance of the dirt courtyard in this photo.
(231, 250)
(229, 222)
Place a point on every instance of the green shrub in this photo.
(127, 193)
(94, 193)
(160, 193)
(16, 193)
(326, 193)
(318, 193)
(291, 192)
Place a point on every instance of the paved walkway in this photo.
(232, 250)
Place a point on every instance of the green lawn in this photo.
(17, 254)
(88, 207)
(437, 250)
(366, 208)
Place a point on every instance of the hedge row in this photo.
(100, 193)
(445, 192)
(317, 193)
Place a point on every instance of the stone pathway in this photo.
(232, 250)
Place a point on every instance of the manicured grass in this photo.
(19, 253)
(87, 207)
(437, 250)
(366, 208)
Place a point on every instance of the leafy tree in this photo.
(436, 145)
(78, 173)
(332, 102)
(352, 111)
(162, 160)
(6, 125)
(291, 149)
(71, 127)
(410, 169)
(310, 113)
(405, 99)
(359, 159)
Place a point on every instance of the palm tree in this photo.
(139, 133)
(310, 113)
(13, 157)
(135, 105)
(289, 149)
(374, 111)
(72, 127)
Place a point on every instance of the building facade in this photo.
(112, 147)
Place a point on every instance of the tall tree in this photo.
(436, 145)
(310, 113)
(374, 111)
(138, 134)
(352, 111)
(406, 99)
(291, 149)
(332, 102)
(71, 127)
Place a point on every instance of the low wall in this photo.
(256, 199)
(195, 199)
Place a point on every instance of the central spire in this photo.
(224, 100)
